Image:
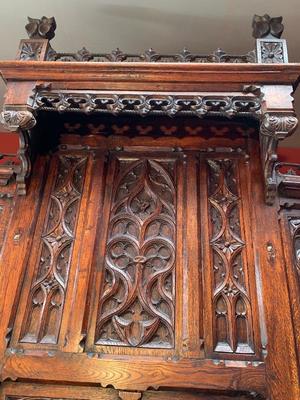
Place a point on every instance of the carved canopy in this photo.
(256, 85)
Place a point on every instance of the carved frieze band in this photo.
(136, 306)
(43, 315)
(232, 321)
(274, 127)
(184, 56)
(145, 104)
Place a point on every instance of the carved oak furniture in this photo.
(150, 239)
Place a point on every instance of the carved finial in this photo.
(265, 26)
(43, 28)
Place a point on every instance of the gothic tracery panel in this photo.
(295, 232)
(232, 319)
(47, 294)
(137, 300)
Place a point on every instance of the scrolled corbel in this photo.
(14, 120)
(275, 126)
(20, 121)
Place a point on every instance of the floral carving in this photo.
(137, 301)
(30, 51)
(43, 28)
(272, 52)
(266, 26)
(232, 324)
(43, 315)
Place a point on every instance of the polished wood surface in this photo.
(149, 238)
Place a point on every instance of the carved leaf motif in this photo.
(30, 51)
(272, 52)
(137, 302)
(232, 312)
(43, 315)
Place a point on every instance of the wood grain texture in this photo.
(144, 262)
(136, 373)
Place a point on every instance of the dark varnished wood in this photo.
(149, 257)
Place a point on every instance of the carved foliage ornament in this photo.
(266, 26)
(43, 28)
(30, 50)
(13, 120)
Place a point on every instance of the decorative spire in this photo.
(43, 28)
(265, 26)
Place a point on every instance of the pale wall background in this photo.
(165, 25)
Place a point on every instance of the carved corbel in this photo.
(270, 48)
(40, 32)
(20, 121)
(275, 126)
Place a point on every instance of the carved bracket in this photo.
(275, 126)
(20, 121)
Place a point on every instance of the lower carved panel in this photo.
(137, 300)
(232, 315)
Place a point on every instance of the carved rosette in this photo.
(274, 127)
(30, 50)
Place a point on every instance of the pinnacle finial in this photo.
(43, 28)
(265, 26)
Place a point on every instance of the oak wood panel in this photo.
(41, 305)
(281, 361)
(290, 231)
(231, 317)
(16, 251)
